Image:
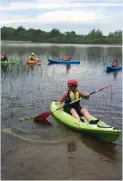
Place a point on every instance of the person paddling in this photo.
(75, 109)
(32, 57)
(115, 63)
(4, 57)
(68, 57)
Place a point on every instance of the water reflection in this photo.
(30, 66)
(115, 73)
(109, 150)
(112, 151)
(71, 156)
(68, 68)
(4, 68)
(71, 146)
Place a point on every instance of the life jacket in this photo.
(71, 96)
(68, 57)
(116, 61)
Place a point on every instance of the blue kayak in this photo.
(110, 68)
(64, 61)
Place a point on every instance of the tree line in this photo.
(55, 36)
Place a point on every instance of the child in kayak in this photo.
(32, 57)
(4, 57)
(75, 109)
(115, 63)
(68, 57)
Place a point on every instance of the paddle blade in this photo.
(42, 116)
(41, 119)
(43, 122)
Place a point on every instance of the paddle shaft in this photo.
(99, 89)
(46, 114)
(83, 97)
(68, 104)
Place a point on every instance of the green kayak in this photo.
(100, 130)
(7, 62)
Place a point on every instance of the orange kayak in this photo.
(36, 61)
(31, 62)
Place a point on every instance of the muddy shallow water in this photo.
(32, 151)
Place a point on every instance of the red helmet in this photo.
(4, 53)
(72, 82)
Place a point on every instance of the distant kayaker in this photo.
(115, 63)
(4, 57)
(32, 56)
(75, 109)
(68, 57)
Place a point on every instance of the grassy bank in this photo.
(15, 41)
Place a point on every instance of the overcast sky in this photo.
(80, 16)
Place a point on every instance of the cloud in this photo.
(53, 4)
(7, 19)
(69, 17)
(56, 16)
(65, 15)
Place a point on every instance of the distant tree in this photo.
(55, 36)
(8, 33)
(20, 28)
(116, 34)
(54, 32)
(95, 34)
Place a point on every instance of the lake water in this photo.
(31, 151)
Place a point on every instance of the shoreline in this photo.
(17, 41)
